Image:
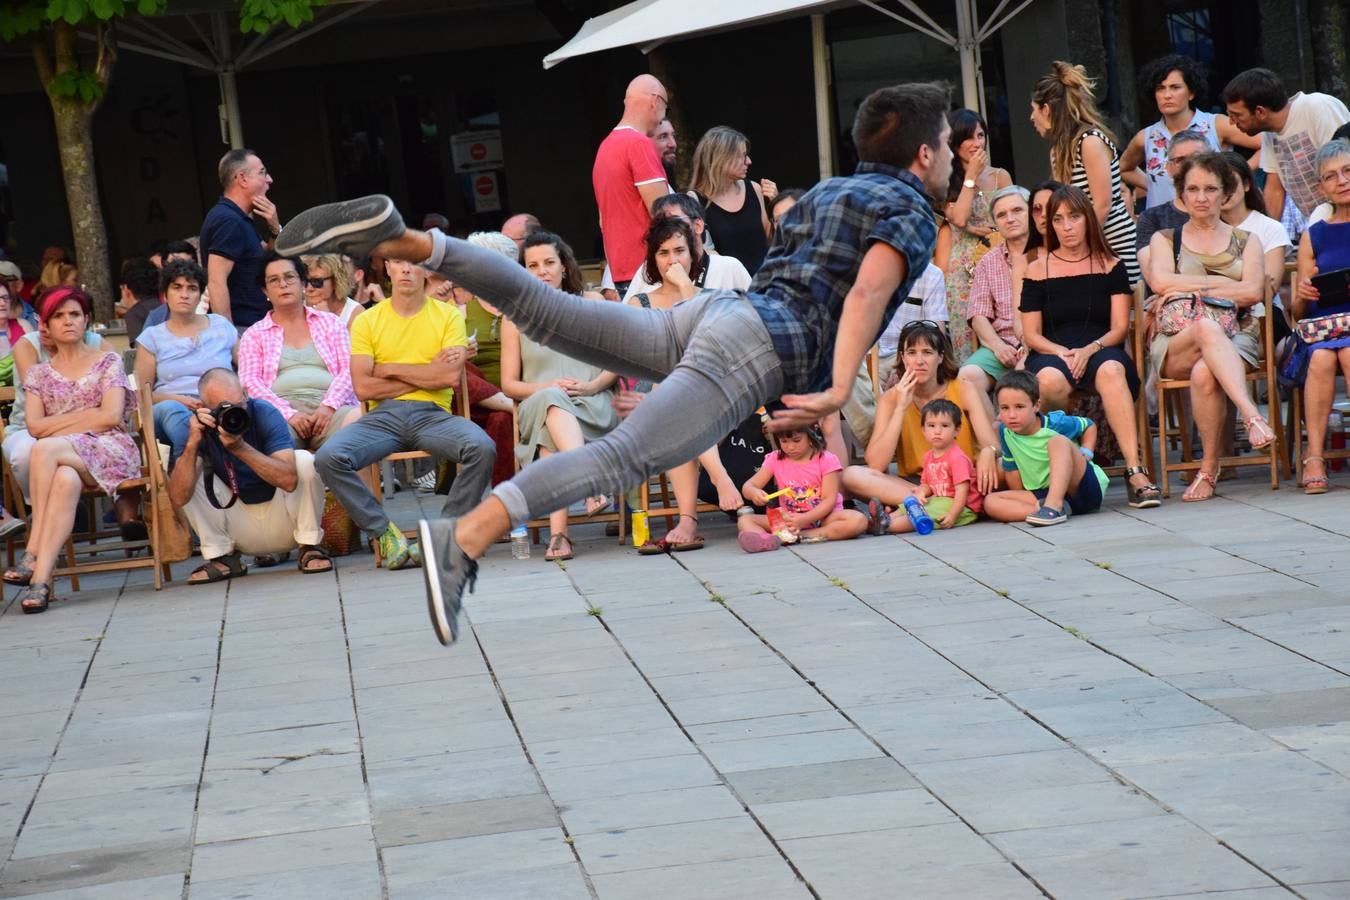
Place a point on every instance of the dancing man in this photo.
(845, 257)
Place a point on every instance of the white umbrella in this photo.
(649, 23)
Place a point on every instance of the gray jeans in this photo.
(712, 354)
(404, 425)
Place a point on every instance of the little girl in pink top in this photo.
(811, 502)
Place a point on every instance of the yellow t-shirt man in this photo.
(387, 337)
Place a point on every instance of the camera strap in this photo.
(209, 476)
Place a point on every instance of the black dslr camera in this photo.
(232, 418)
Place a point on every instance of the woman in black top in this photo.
(734, 206)
(1075, 308)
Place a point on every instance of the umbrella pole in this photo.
(820, 65)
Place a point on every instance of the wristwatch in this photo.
(969, 182)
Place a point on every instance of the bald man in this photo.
(628, 177)
(520, 226)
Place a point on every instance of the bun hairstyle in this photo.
(1067, 90)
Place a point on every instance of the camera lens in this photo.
(231, 418)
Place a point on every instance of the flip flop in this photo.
(654, 548)
(695, 544)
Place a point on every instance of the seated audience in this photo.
(1046, 457)
(1169, 213)
(947, 487)
(166, 251)
(1246, 210)
(11, 276)
(246, 490)
(669, 256)
(407, 357)
(298, 358)
(140, 295)
(1210, 258)
(561, 402)
(780, 205)
(57, 273)
(79, 406)
(12, 329)
(927, 372)
(1075, 308)
(995, 288)
(329, 286)
(812, 503)
(173, 356)
(708, 271)
(1324, 247)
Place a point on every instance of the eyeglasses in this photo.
(662, 97)
(1330, 178)
(279, 280)
(920, 323)
(318, 282)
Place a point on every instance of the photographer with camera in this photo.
(243, 485)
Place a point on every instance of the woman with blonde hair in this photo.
(57, 273)
(733, 205)
(1083, 153)
(329, 286)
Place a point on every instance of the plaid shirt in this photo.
(991, 294)
(260, 356)
(799, 291)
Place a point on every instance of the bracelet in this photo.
(1087, 451)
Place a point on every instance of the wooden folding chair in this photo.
(1174, 409)
(1135, 341)
(603, 517)
(149, 481)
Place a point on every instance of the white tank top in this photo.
(1156, 137)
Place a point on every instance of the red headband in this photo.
(52, 299)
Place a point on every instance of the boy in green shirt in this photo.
(1047, 458)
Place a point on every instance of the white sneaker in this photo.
(426, 484)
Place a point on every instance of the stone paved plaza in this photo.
(1135, 704)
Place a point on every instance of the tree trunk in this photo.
(1329, 35)
(76, 147)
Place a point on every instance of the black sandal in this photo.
(21, 572)
(308, 554)
(1146, 497)
(268, 560)
(222, 568)
(34, 598)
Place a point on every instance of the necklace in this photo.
(1067, 260)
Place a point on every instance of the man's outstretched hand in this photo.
(805, 410)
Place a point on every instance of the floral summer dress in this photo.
(967, 251)
(110, 456)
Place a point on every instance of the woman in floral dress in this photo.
(78, 406)
(969, 220)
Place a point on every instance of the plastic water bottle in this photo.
(520, 543)
(922, 522)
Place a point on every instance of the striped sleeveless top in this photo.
(1119, 227)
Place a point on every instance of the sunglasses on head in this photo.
(920, 323)
(318, 282)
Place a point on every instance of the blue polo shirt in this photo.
(799, 291)
(227, 231)
(267, 433)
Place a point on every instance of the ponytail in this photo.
(1068, 91)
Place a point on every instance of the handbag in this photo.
(341, 536)
(1291, 364)
(1323, 328)
(1175, 314)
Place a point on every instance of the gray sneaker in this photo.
(353, 227)
(447, 572)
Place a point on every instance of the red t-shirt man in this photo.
(625, 162)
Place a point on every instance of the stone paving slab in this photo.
(1139, 704)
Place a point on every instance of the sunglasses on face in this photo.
(318, 282)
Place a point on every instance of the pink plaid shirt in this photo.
(991, 294)
(260, 355)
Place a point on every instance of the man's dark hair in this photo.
(231, 164)
(941, 407)
(894, 122)
(272, 256)
(1020, 380)
(141, 278)
(172, 247)
(181, 268)
(1156, 72)
(1342, 133)
(1257, 87)
(691, 207)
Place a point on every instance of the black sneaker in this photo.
(447, 572)
(353, 227)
